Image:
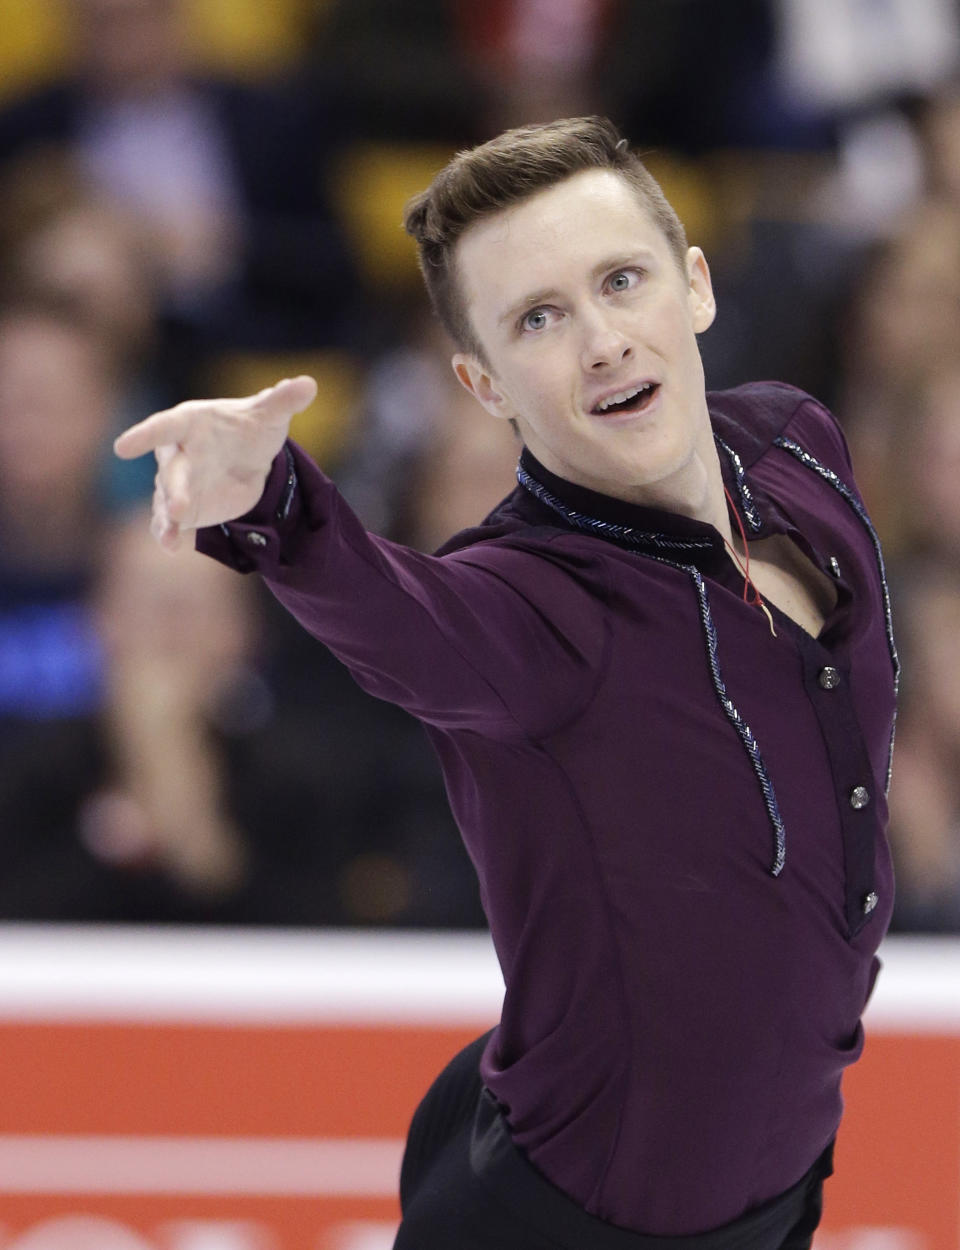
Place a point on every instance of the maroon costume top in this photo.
(677, 817)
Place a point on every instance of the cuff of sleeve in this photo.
(254, 542)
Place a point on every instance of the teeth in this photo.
(622, 396)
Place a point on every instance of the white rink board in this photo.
(61, 972)
(270, 976)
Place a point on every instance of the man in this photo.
(667, 752)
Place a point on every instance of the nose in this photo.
(604, 344)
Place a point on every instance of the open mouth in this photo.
(629, 402)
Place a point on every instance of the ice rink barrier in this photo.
(201, 1089)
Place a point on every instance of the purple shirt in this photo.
(677, 818)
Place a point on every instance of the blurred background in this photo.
(200, 196)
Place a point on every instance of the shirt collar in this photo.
(657, 529)
(633, 525)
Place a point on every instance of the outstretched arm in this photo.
(213, 455)
(503, 639)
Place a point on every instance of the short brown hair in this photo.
(500, 173)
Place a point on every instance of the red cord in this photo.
(747, 583)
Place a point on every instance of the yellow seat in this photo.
(237, 37)
(34, 45)
(373, 184)
(248, 37)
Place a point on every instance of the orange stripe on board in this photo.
(229, 1081)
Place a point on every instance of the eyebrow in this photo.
(604, 266)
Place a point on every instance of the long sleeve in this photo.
(506, 637)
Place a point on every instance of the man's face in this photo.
(589, 329)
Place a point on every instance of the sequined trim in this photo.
(747, 505)
(741, 726)
(843, 489)
(606, 529)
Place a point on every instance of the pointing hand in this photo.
(213, 455)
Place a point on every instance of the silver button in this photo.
(829, 677)
(869, 903)
(859, 797)
(835, 566)
(256, 539)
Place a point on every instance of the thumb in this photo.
(286, 398)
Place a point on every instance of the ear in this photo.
(703, 306)
(481, 384)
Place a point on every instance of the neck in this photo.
(696, 491)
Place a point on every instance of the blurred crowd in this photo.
(200, 197)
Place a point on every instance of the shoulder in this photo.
(753, 417)
(562, 576)
(531, 551)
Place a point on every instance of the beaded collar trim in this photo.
(747, 504)
(607, 529)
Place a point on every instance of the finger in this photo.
(176, 479)
(172, 538)
(166, 531)
(158, 510)
(162, 527)
(287, 398)
(170, 426)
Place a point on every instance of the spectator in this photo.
(927, 446)
(466, 469)
(64, 246)
(925, 796)
(903, 326)
(224, 775)
(58, 388)
(298, 800)
(940, 128)
(165, 681)
(540, 59)
(228, 179)
(142, 780)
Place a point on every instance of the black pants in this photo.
(465, 1186)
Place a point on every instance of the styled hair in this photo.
(483, 180)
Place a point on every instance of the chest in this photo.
(786, 577)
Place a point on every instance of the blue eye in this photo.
(622, 280)
(535, 319)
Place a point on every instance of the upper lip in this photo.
(617, 390)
